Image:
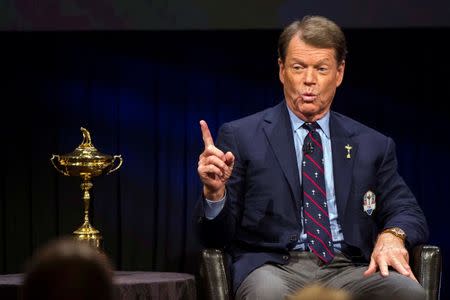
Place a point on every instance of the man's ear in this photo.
(340, 73)
(281, 70)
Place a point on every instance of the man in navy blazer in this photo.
(252, 201)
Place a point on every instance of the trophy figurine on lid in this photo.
(87, 162)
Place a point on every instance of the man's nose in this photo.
(310, 76)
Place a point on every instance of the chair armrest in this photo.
(426, 264)
(214, 275)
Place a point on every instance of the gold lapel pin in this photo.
(348, 148)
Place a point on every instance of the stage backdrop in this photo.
(142, 94)
(217, 14)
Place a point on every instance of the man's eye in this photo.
(297, 67)
(322, 69)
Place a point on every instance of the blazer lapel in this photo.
(278, 130)
(342, 164)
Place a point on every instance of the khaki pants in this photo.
(272, 281)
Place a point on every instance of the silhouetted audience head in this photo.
(68, 269)
(318, 292)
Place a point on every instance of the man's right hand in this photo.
(214, 166)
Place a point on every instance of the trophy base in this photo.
(93, 240)
(88, 234)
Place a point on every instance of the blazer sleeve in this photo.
(219, 231)
(399, 207)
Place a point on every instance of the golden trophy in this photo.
(87, 162)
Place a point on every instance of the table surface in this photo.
(131, 285)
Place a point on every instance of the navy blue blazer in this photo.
(260, 221)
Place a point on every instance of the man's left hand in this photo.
(389, 251)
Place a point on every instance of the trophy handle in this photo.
(55, 156)
(118, 166)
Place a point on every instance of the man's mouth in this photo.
(309, 97)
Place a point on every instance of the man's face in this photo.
(310, 77)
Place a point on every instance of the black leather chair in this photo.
(426, 262)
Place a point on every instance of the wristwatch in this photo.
(398, 232)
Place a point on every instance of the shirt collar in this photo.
(324, 122)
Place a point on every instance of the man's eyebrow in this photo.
(298, 61)
(323, 61)
(320, 62)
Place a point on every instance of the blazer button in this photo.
(200, 220)
(293, 238)
(285, 257)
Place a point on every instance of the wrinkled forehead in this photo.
(299, 48)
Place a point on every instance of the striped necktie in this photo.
(315, 211)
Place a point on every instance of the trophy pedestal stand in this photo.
(86, 232)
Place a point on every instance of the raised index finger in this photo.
(206, 134)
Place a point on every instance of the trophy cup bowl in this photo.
(86, 162)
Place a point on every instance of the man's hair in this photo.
(316, 31)
(68, 269)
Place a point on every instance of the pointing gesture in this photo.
(214, 166)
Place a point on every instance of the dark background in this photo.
(217, 14)
(141, 94)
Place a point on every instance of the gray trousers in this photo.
(271, 281)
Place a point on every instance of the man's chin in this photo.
(311, 115)
(307, 110)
